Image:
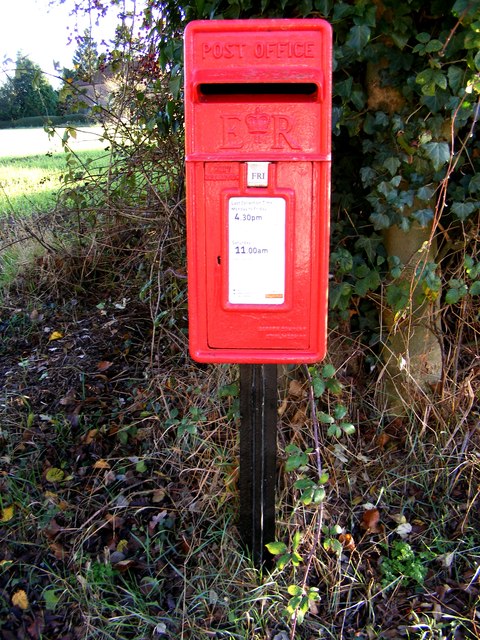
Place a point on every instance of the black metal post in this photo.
(258, 455)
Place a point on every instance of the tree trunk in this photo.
(411, 352)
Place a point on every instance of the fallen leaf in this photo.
(52, 529)
(125, 565)
(20, 599)
(282, 408)
(122, 545)
(54, 475)
(115, 521)
(57, 550)
(404, 529)
(103, 365)
(158, 495)
(101, 464)
(55, 335)
(296, 389)
(399, 518)
(7, 514)
(69, 399)
(5, 564)
(370, 521)
(89, 437)
(347, 541)
(37, 627)
(300, 417)
(447, 559)
(383, 439)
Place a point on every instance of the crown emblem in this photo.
(257, 123)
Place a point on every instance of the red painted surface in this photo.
(258, 91)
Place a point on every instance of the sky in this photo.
(42, 32)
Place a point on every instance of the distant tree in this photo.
(27, 93)
(85, 59)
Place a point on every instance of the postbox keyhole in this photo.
(219, 260)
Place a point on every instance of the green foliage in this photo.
(284, 554)
(404, 565)
(28, 93)
(85, 59)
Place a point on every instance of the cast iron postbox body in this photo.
(257, 128)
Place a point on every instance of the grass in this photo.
(30, 184)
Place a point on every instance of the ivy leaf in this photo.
(368, 175)
(392, 164)
(344, 88)
(438, 153)
(371, 282)
(398, 297)
(474, 184)
(380, 221)
(425, 193)
(341, 10)
(358, 37)
(463, 209)
(423, 216)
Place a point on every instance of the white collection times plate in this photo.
(256, 250)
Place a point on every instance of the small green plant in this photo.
(324, 380)
(188, 425)
(337, 426)
(301, 600)
(284, 556)
(297, 458)
(311, 492)
(302, 595)
(331, 542)
(404, 565)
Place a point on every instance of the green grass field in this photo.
(32, 165)
(30, 183)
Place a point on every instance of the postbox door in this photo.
(262, 256)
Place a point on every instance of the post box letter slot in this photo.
(294, 91)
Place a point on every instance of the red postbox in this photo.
(257, 129)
